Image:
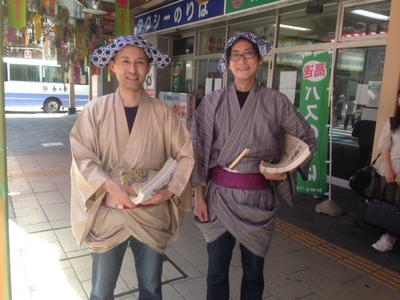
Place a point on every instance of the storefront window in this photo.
(300, 28)
(287, 75)
(183, 46)
(359, 74)
(358, 77)
(366, 19)
(212, 41)
(209, 79)
(264, 28)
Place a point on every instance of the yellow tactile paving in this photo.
(387, 277)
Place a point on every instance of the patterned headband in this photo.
(102, 56)
(263, 47)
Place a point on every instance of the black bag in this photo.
(384, 215)
(365, 181)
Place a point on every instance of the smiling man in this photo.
(127, 130)
(240, 204)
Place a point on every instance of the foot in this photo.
(384, 244)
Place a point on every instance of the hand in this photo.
(158, 197)
(201, 209)
(397, 179)
(275, 176)
(120, 193)
(389, 176)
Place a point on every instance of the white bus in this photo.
(34, 84)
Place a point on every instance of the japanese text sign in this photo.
(177, 14)
(314, 106)
(17, 13)
(121, 17)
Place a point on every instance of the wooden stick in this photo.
(239, 158)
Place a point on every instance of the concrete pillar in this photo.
(391, 74)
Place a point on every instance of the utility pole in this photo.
(71, 108)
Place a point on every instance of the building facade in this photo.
(356, 34)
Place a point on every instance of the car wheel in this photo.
(52, 105)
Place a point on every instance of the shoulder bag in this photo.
(384, 215)
(365, 181)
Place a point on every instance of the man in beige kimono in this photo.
(127, 130)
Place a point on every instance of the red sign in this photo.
(28, 54)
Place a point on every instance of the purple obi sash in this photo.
(240, 181)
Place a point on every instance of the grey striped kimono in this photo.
(220, 131)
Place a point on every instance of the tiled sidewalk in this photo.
(47, 264)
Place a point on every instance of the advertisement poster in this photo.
(149, 84)
(314, 106)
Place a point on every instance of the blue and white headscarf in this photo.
(101, 57)
(263, 47)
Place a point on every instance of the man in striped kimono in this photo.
(241, 204)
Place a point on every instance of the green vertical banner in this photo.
(121, 17)
(314, 106)
(17, 13)
(176, 77)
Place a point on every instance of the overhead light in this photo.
(314, 8)
(369, 14)
(294, 27)
(94, 11)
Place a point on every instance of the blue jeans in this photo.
(219, 258)
(106, 268)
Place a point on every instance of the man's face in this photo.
(131, 65)
(244, 69)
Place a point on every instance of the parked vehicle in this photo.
(34, 83)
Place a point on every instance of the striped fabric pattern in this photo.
(220, 132)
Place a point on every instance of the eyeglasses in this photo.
(247, 55)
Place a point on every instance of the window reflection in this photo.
(209, 78)
(183, 46)
(366, 19)
(298, 29)
(264, 28)
(359, 73)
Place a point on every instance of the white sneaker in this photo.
(384, 244)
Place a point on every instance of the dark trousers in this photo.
(219, 258)
(365, 156)
(390, 191)
(349, 117)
